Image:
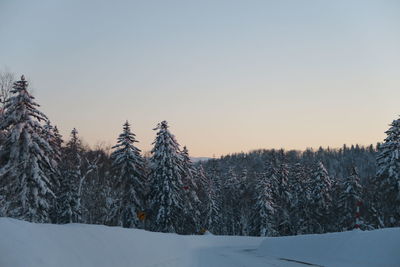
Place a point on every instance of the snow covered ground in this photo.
(29, 245)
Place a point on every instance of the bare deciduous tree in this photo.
(6, 83)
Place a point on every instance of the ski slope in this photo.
(29, 245)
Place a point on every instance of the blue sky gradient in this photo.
(229, 76)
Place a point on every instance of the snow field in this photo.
(25, 244)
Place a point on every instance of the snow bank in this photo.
(27, 244)
(354, 248)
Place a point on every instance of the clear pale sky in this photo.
(228, 76)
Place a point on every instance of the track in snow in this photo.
(238, 256)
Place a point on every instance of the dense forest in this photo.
(47, 178)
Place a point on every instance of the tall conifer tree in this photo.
(231, 210)
(192, 205)
(29, 171)
(320, 200)
(264, 221)
(69, 198)
(210, 204)
(349, 197)
(388, 173)
(128, 178)
(300, 195)
(166, 192)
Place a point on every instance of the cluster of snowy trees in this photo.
(285, 198)
(277, 192)
(42, 180)
(264, 192)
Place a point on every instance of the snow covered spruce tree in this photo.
(283, 198)
(69, 197)
(349, 197)
(209, 196)
(246, 185)
(193, 204)
(54, 138)
(388, 174)
(300, 195)
(335, 210)
(264, 221)
(373, 215)
(28, 166)
(212, 198)
(231, 205)
(320, 200)
(166, 193)
(128, 178)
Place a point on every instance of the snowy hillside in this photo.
(27, 244)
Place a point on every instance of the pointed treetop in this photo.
(74, 132)
(20, 85)
(74, 136)
(393, 133)
(164, 125)
(185, 155)
(126, 127)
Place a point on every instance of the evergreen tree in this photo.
(321, 200)
(192, 206)
(213, 211)
(388, 173)
(231, 210)
(335, 209)
(350, 196)
(300, 195)
(69, 198)
(54, 138)
(57, 139)
(166, 193)
(128, 179)
(246, 186)
(29, 172)
(264, 213)
(283, 199)
(372, 204)
(210, 211)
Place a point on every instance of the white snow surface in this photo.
(352, 248)
(46, 245)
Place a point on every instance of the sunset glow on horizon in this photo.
(228, 76)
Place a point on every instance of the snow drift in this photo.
(27, 244)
